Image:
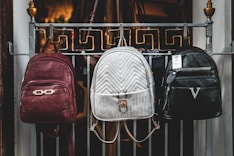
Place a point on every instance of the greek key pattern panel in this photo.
(99, 39)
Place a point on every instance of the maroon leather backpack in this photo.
(48, 93)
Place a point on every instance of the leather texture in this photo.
(122, 86)
(48, 93)
(192, 92)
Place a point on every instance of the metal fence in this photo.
(84, 43)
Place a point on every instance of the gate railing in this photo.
(157, 41)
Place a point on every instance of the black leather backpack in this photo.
(191, 86)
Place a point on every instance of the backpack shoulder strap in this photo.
(156, 127)
(93, 128)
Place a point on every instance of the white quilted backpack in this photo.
(122, 87)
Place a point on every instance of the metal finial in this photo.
(32, 10)
(209, 10)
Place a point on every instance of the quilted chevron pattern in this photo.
(122, 71)
(119, 73)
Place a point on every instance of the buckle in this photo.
(43, 92)
(123, 105)
(49, 91)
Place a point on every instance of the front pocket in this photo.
(193, 97)
(45, 101)
(194, 102)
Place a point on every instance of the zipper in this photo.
(193, 69)
(173, 74)
(48, 83)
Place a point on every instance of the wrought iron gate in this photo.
(84, 43)
(169, 140)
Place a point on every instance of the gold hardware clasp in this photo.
(44, 92)
(123, 105)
